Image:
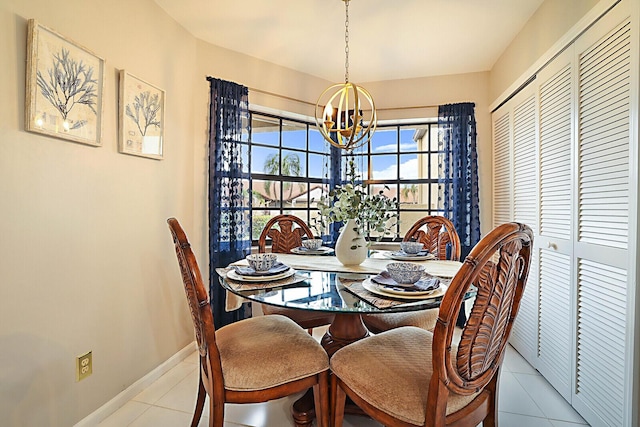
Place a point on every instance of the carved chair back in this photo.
(498, 265)
(436, 233)
(201, 314)
(286, 232)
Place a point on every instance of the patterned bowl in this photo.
(411, 247)
(312, 243)
(405, 272)
(262, 262)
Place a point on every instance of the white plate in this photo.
(406, 257)
(379, 290)
(304, 251)
(235, 276)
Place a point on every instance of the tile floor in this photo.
(526, 400)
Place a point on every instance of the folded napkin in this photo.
(277, 268)
(424, 284)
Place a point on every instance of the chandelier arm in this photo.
(333, 122)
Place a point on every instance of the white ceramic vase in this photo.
(347, 239)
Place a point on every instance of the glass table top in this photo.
(327, 291)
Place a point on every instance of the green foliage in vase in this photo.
(371, 212)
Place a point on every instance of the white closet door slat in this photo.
(600, 327)
(600, 74)
(555, 155)
(502, 176)
(555, 316)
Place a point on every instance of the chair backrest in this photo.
(198, 300)
(498, 265)
(285, 232)
(436, 232)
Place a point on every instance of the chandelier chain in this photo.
(346, 41)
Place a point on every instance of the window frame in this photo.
(431, 125)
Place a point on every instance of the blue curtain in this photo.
(229, 205)
(458, 172)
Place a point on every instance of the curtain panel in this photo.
(458, 174)
(229, 206)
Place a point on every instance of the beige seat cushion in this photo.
(424, 319)
(392, 371)
(267, 351)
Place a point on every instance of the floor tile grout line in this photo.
(163, 395)
(559, 397)
(140, 414)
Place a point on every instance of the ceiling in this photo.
(388, 39)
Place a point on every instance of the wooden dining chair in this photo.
(250, 361)
(412, 377)
(440, 238)
(286, 233)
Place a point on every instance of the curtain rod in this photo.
(415, 107)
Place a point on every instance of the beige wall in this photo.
(86, 261)
(548, 24)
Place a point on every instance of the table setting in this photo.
(374, 284)
(258, 271)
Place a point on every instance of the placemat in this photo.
(238, 285)
(233, 301)
(355, 287)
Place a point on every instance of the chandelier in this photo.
(345, 112)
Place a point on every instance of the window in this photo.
(289, 164)
(402, 161)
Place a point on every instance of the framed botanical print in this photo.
(141, 117)
(65, 84)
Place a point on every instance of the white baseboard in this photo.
(134, 389)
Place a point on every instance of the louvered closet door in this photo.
(603, 384)
(554, 241)
(502, 162)
(525, 210)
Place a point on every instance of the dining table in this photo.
(319, 282)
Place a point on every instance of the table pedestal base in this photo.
(344, 330)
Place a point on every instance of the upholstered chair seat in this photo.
(408, 376)
(425, 319)
(264, 352)
(250, 361)
(367, 366)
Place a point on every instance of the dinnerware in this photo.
(411, 247)
(405, 272)
(400, 290)
(304, 251)
(231, 274)
(313, 244)
(276, 268)
(261, 262)
(380, 291)
(424, 285)
(402, 256)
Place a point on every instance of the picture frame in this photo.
(64, 87)
(141, 116)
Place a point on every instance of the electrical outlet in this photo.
(84, 366)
